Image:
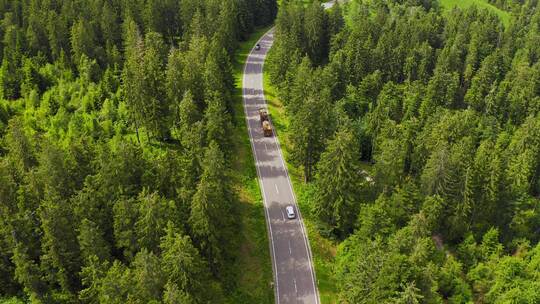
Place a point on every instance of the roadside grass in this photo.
(13, 300)
(305, 2)
(463, 4)
(323, 249)
(254, 266)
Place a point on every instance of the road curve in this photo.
(294, 275)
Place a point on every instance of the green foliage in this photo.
(213, 199)
(106, 110)
(443, 107)
(338, 184)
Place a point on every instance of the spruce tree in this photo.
(185, 269)
(213, 198)
(338, 184)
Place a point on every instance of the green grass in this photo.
(13, 300)
(323, 250)
(503, 15)
(305, 2)
(254, 266)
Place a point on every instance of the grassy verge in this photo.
(13, 300)
(254, 267)
(503, 15)
(323, 250)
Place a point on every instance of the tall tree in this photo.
(60, 245)
(338, 183)
(213, 198)
(186, 271)
(153, 215)
(316, 32)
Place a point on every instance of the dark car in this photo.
(257, 47)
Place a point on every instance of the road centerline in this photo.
(300, 272)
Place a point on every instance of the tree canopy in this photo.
(115, 148)
(417, 128)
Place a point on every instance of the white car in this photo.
(257, 47)
(290, 212)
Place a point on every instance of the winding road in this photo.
(294, 276)
(292, 264)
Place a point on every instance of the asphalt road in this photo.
(294, 276)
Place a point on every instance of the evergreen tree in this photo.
(153, 215)
(185, 269)
(147, 277)
(218, 121)
(83, 41)
(91, 242)
(125, 216)
(60, 246)
(116, 284)
(91, 276)
(11, 60)
(131, 77)
(155, 107)
(316, 33)
(213, 198)
(338, 181)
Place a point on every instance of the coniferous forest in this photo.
(417, 130)
(115, 150)
(415, 126)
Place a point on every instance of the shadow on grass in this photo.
(255, 275)
(253, 268)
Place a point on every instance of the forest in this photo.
(115, 148)
(417, 129)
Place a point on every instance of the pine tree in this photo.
(28, 274)
(117, 283)
(218, 121)
(409, 295)
(463, 208)
(186, 271)
(109, 24)
(58, 35)
(436, 175)
(125, 215)
(91, 277)
(83, 41)
(11, 60)
(338, 182)
(194, 60)
(153, 215)
(173, 295)
(131, 77)
(148, 277)
(19, 146)
(316, 31)
(312, 120)
(156, 116)
(174, 85)
(336, 22)
(91, 242)
(192, 138)
(60, 245)
(213, 198)
(163, 17)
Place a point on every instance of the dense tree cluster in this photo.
(507, 5)
(442, 108)
(115, 150)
